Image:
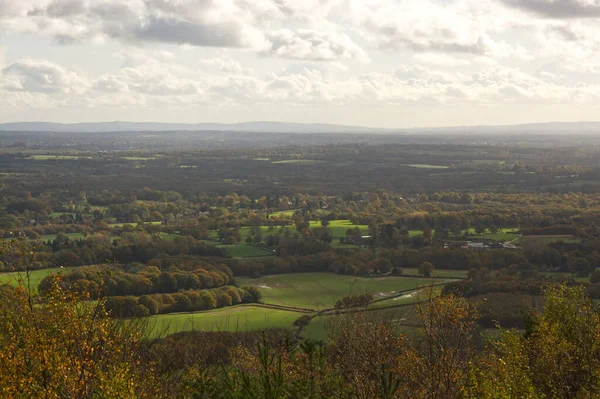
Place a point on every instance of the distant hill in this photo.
(264, 127)
(284, 127)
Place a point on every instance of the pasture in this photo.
(72, 236)
(235, 318)
(35, 276)
(138, 158)
(338, 228)
(298, 162)
(439, 273)
(322, 290)
(425, 166)
(404, 319)
(245, 251)
(507, 234)
(40, 157)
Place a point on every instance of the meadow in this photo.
(40, 157)
(403, 318)
(322, 290)
(246, 251)
(310, 291)
(52, 237)
(298, 162)
(507, 234)
(235, 318)
(426, 166)
(35, 276)
(338, 229)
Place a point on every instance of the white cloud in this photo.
(149, 80)
(169, 55)
(559, 9)
(314, 45)
(441, 60)
(41, 76)
(227, 65)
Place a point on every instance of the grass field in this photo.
(426, 166)
(337, 227)
(168, 236)
(34, 277)
(440, 273)
(507, 234)
(245, 251)
(568, 275)
(237, 318)
(299, 162)
(55, 215)
(322, 290)
(402, 318)
(138, 158)
(289, 212)
(55, 157)
(51, 237)
(549, 239)
(113, 225)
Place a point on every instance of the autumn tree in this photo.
(58, 347)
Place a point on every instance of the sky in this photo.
(379, 63)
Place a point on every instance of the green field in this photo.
(402, 318)
(35, 276)
(426, 166)
(113, 225)
(52, 237)
(245, 251)
(55, 215)
(322, 290)
(138, 158)
(237, 318)
(440, 273)
(338, 229)
(575, 277)
(507, 234)
(545, 240)
(56, 157)
(289, 212)
(168, 236)
(299, 162)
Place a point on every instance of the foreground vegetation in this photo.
(54, 346)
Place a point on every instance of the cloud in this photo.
(441, 60)
(563, 32)
(150, 79)
(183, 32)
(226, 23)
(41, 76)
(423, 26)
(227, 65)
(313, 45)
(558, 9)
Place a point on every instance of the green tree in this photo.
(426, 269)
